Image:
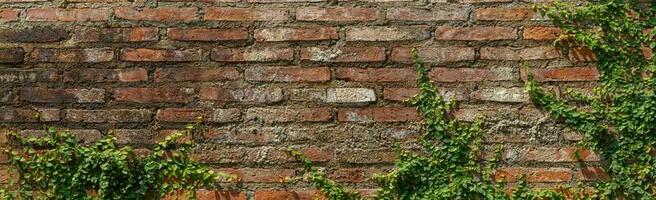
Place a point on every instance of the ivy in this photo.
(618, 120)
(58, 167)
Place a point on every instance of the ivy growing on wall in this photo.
(618, 120)
(58, 167)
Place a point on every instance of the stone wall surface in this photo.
(325, 76)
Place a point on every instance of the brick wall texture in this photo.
(326, 76)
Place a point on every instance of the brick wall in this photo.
(325, 76)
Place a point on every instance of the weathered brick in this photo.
(44, 95)
(7, 96)
(475, 33)
(268, 54)
(343, 54)
(563, 74)
(34, 34)
(245, 14)
(350, 95)
(67, 15)
(404, 94)
(191, 114)
(525, 53)
(9, 15)
(246, 95)
(338, 14)
(139, 34)
(581, 54)
(85, 136)
(306, 95)
(204, 34)
(274, 195)
(196, 74)
(504, 14)
(29, 115)
(287, 74)
(295, 34)
(593, 174)
(501, 94)
(442, 74)
(376, 74)
(106, 75)
(434, 54)
(204, 194)
(550, 154)
(161, 55)
(378, 114)
(413, 14)
(273, 114)
(367, 156)
(153, 95)
(108, 116)
(11, 55)
(353, 175)
(483, 1)
(534, 175)
(162, 14)
(27, 76)
(90, 55)
(255, 175)
(383, 33)
(541, 33)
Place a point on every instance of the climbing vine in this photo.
(58, 167)
(618, 120)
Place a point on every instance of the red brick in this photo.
(380, 114)
(254, 175)
(343, 54)
(295, 34)
(33, 34)
(196, 74)
(154, 95)
(245, 14)
(191, 114)
(534, 175)
(273, 115)
(526, 53)
(90, 55)
(475, 33)
(67, 15)
(541, 33)
(306, 194)
(44, 95)
(203, 34)
(246, 95)
(582, 54)
(288, 74)
(442, 74)
(108, 116)
(157, 14)
(106, 75)
(161, 55)
(384, 33)
(376, 74)
(593, 174)
(414, 14)
(140, 34)
(268, 54)
(548, 154)
(11, 55)
(204, 194)
(29, 115)
(27, 76)
(338, 14)
(434, 54)
(274, 195)
(9, 15)
(504, 14)
(563, 74)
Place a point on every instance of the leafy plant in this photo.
(618, 120)
(58, 167)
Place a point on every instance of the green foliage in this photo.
(57, 167)
(618, 120)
